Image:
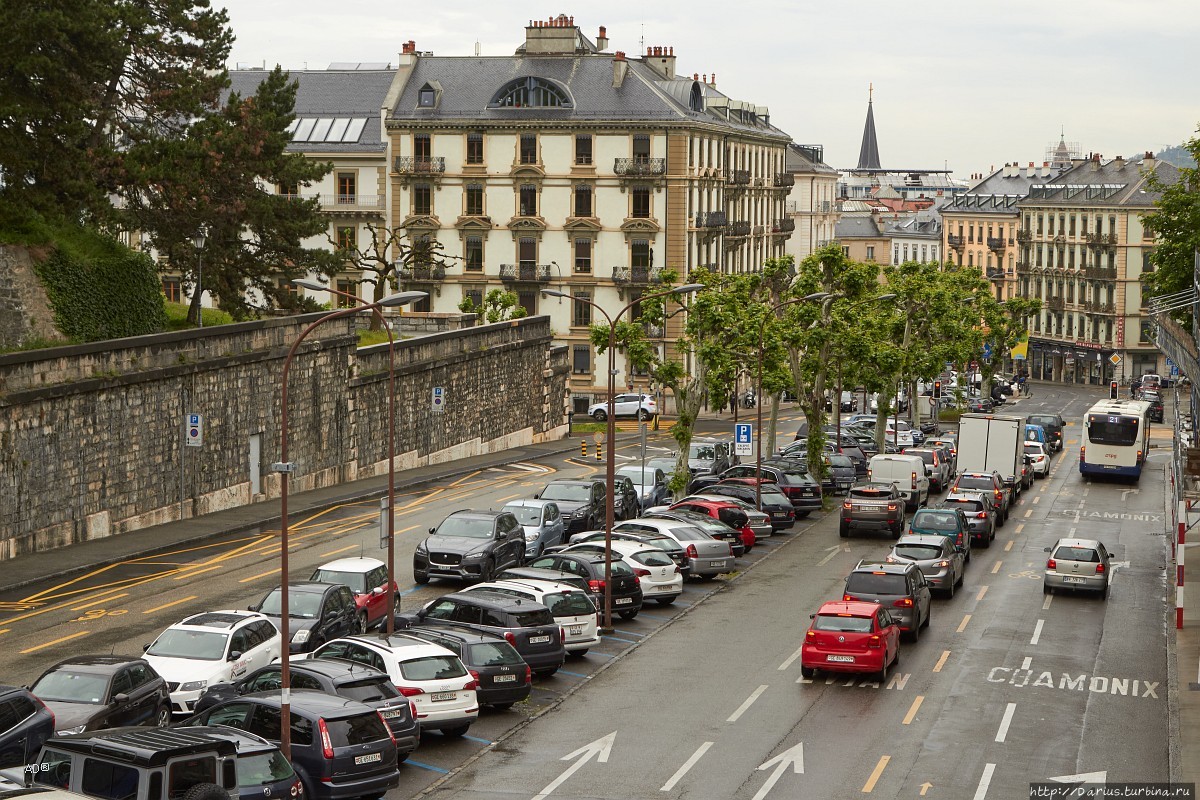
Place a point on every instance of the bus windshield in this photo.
(1112, 429)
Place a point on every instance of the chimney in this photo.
(408, 54)
(1119, 162)
(552, 36)
(620, 68)
(602, 39)
(1148, 160)
(410, 48)
(713, 82)
(662, 59)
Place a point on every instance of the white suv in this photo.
(642, 406)
(429, 675)
(570, 606)
(212, 647)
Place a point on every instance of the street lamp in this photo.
(286, 468)
(407, 298)
(198, 242)
(610, 464)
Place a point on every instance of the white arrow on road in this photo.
(1128, 492)
(793, 757)
(1083, 777)
(599, 748)
(845, 548)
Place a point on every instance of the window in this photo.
(527, 251)
(346, 236)
(583, 148)
(289, 190)
(346, 182)
(173, 289)
(473, 253)
(528, 300)
(474, 197)
(286, 287)
(641, 147)
(583, 255)
(113, 781)
(583, 200)
(530, 92)
(426, 97)
(581, 315)
(641, 201)
(871, 252)
(581, 359)
(641, 254)
(529, 148)
(528, 200)
(474, 148)
(422, 196)
(474, 295)
(421, 147)
(349, 287)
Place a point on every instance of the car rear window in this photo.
(967, 505)
(1077, 554)
(842, 623)
(876, 583)
(1037, 419)
(935, 522)
(622, 569)
(432, 668)
(494, 654)
(359, 729)
(261, 769)
(573, 604)
(918, 552)
(979, 482)
(925, 455)
(531, 619)
(872, 494)
(369, 691)
(689, 534)
(650, 558)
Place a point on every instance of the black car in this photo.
(473, 545)
(317, 613)
(262, 771)
(1155, 399)
(502, 677)
(25, 723)
(345, 679)
(774, 502)
(87, 693)
(526, 625)
(581, 502)
(341, 748)
(1053, 425)
(626, 503)
(626, 590)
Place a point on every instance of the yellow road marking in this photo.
(1008, 546)
(59, 607)
(260, 575)
(1020, 527)
(187, 575)
(172, 603)
(941, 661)
(510, 497)
(982, 592)
(962, 626)
(409, 528)
(339, 550)
(1029, 513)
(5, 630)
(54, 642)
(912, 711)
(996, 567)
(1035, 500)
(869, 786)
(101, 600)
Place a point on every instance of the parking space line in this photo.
(618, 639)
(595, 652)
(996, 567)
(962, 626)
(791, 659)
(429, 767)
(1025, 662)
(912, 710)
(629, 633)
(477, 739)
(869, 786)
(1035, 500)
(572, 674)
(172, 603)
(984, 781)
(1005, 721)
(1046, 602)
(187, 575)
(53, 642)
(746, 705)
(941, 661)
(1037, 631)
(687, 765)
(1020, 527)
(1029, 513)
(652, 616)
(982, 592)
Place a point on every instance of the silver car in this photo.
(707, 556)
(939, 560)
(542, 522)
(1077, 564)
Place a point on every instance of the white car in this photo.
(212, 647)
(642, 406)
(1041, 459)
(570, 606)
(428, 674)
(657, 574)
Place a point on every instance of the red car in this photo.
(851, 636)
(367, 579)
(723, 511)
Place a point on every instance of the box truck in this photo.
(988, 442)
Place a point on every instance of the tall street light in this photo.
(198, 242)
(610, 464)
(285, 468)
(408, 297)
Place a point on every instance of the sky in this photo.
(960, 85)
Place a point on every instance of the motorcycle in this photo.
(748, 399)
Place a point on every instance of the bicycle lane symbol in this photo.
(97, 613)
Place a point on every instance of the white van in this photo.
(907, 472)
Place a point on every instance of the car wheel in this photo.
(456, 733)
(1046, 589)
(599, 415)
(487, 571)
(162, 717)
(420, 577)
(664, 601)
(928, 616)
(968, 558)
(915, 634)
(502, 706)
(206, 791)
(582, 652)
(950, 588)
(962, 575)
(1104, 592)
(844, 530)
(898, 531)
(808, 672)
(641, 415)
(627, 614)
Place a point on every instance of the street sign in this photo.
(1115, 359)
(384, 510)
(195, 431)
(439, 398)
(987, 352)
(742, 434)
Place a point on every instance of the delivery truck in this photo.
(988, 442)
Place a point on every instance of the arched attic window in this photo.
(696, 99)
(530, 92)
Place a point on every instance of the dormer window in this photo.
(427, 95)
(696, 98)
(531, 92)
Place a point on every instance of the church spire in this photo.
(868, 154)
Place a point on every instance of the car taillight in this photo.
(474, 675)
(470, 686)
(943, 563)
(810, 634)
(903, 602)
(999, 494)
(1099, 569)
(326, 742)
(893, 506)
(958, 539)
(676, 569)
(849, 597)
(1051, 564)
(510, 638)
(385, 725)
(868, 473)
(914, 480)
(410, 691)
(297, 789)
(692, 552)
(846, 504)
(874, 641)
(562, 634)
(730, 549)
(981, 515)
(1139, 455)
(412, 706)
(642, 573)
(596, 586)
(528, 673)
(1081, 452)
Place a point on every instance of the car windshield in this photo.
(526, 515)
(566, 491)
(572, 604)
(1067, 554)
(841, 461)
(842, 623)
(493, 654)
(636, 475)
(263, 769)
(301, 605)
(368, 691)
(917, 552)
(432, 668)
(935, 522)
(1112, 429)
(71, 687)
(875, 583)
(702, 452)
(772, 493)
(357, 581)
(179, 643)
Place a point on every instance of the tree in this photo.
(1176, 225)
(497, 306)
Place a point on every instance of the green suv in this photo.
(949, 522)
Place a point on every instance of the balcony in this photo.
(784, 225)
(420, 165)
(1100, 273)
(1023, 268)
(739, 228)
(1024, 236)
(637, 276)
(784, 180)
(1101, 239)
(423, 272)
(995, 274)
(1060, 239)
(996, 244)
(640, 167)
(957, 242)
(711, 219)
(338, 203)
(739, 177)
(825, 242)
(525, 273)
(1055, 303)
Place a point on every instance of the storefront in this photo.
(1082, 363)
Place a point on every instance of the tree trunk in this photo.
(376, 296)
(193, 315)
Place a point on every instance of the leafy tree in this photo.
(497, 306)
(1176, 224)
(1004, 325)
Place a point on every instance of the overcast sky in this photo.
(958, 84)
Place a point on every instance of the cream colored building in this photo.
(812, 202)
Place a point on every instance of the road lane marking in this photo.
(101, 600)
(1025, 662)
(172, 603)
(869, 786)
(510, 497)
(1020, 527)
(982, 592)
(185, 575)
(1005, 721)
(996, 567)
(1037, 631)
(1029, 513)
(1008, 546)
(262, 575)
(746, 705)
(53, 642)
(409, 528)
(5, 630)
(687, 765)
(1046, 602)
(941, 661)
(1035, 500)
(984, 781)
(791, 659)
(1086, 489)
(963, 625)
(339, 550)
(912, 710)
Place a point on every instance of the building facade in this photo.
(812, 203)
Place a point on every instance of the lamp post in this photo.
(408, 297)
(610, 463)
(286, 468)
(198, 242)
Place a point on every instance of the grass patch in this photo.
(588, 427)
(366, 338)
(177, 317)
(37, 344)
(949, 415)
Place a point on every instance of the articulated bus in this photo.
(1116, 437)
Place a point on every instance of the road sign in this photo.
(195, 431)
(987, 352)
(439, 398)
(1115, 359)
(742, 434)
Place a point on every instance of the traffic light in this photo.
(937, 389)
(1112, 390)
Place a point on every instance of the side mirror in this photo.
(146, 646)
(812, 616)
(1046, 550)
(119, 698)
(255, 607)
(537, 496)
(234, 655)
(431, 530)
(378, 590)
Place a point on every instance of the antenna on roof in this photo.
(476, 48)
(642, 40)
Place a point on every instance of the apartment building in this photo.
(812, 202)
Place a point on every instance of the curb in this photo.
(1174, 745)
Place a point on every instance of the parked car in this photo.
(542, 523)
(1053, 425)
(571, 607)
(732, 521)
(430, 675)
(549, 575)
(707, 556)
(626, 591)
(367, 578)
(939, 560)
(353, 681)
(873, 506)
(1039, 457)
(981, 405)
(317, 612)
(87, 693)
(842, 472)
(987, 482)
(768, 496)
(211, 647)
(642, 406)
(502, 678)
(626, 503)
(340, 748)
(797, 485)
(1078, 564)
(650, 485)
(980, 511)
(25, 723)
(658, 576)
(1155, 399)
(471, 545)
(850, 637)
(949, 522)
(709, 456)
(581, 502)
(653, 537)
(262, 770)
(901, 588)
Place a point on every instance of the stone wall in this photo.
(25, 312)
(91, 435)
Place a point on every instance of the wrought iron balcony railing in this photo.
(955, 241)
(420, 165)
(739, 228)
(640, 167)
(637, 275)
(739, 177)
(525, 273)
(784, 225)
(996, 243)
(423, 272)
(784, 180)
(711, 219)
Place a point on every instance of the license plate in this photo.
(438, 697)
(1069, 579)
(368, 758)
(392, 713)
(662, 588)
(717, 563)
(841, 659)
(575, 630)
(538, 639)
(780, 515)
(623, 601)
(504, 679)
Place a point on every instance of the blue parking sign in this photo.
(742, 433)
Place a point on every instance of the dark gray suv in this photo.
(900, 588)
(471, 545)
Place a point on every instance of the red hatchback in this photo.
(368, 580)
(851, 636)
(724, 511)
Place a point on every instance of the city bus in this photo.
(1116, 437)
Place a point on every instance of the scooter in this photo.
(748, 399)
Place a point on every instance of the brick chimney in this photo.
(602, 39)
(1119, 162)
(408, 54)
(620, 68)
(1148, 160)
(552, 36)
(410, 47)
(662, 60)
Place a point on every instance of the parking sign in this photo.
(439, 398)
(195, 431)
(742, 434)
